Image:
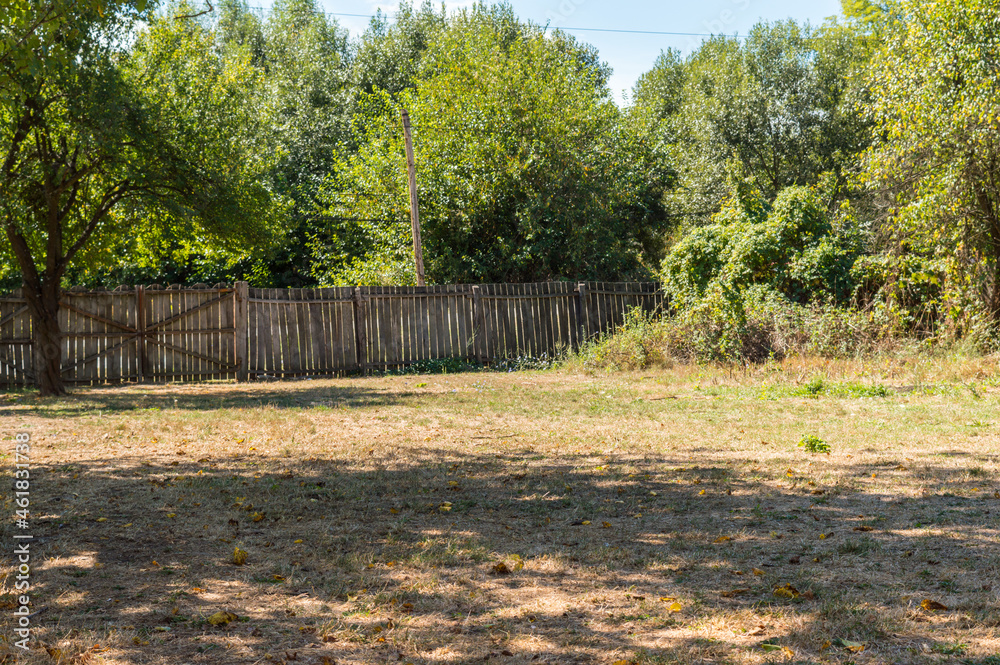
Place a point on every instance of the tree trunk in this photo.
(46, 338)
(994, 304)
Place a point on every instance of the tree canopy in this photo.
(534, 174)
(936, 104)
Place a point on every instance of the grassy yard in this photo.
(533, 517)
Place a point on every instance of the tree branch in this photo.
(201, 13)
(108, 201)
(29, 272)
(48, 17)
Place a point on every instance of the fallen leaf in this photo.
(759, 630)
(758, 572)
(770, 647)
(102, 519)
(297, 541)
(239, 557)
(675, 607)
(856, 647)
(734, 592)
(606, 525)
(931, 605)
(501, 569)
(258, 517)
(863, 528)
(222, 618)
(722, 539)
(786, 591)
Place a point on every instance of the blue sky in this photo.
(628, 54)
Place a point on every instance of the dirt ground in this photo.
(530, 517)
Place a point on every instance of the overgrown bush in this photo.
(766, 280)
(754, 327)
(793, 246)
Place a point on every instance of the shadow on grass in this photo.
(391, 559)
(200, 397)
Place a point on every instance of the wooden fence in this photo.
(236, 332)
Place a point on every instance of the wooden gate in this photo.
(187, 334)
(129, 334)
(16, 362)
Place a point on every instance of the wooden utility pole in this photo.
(411, 166)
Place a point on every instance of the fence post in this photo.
(360, 337)
(583, 312)
(241, 329)
(479, 317)
(140, 328)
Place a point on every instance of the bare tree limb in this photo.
(201, 13)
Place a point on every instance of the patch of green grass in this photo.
(989, 660)
(950, 649)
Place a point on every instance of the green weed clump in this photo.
(814, 444)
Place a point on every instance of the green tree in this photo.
(307, 65)
(534, 174)
(936, 89)
(780, 107)
(136, 133)
(389, 54)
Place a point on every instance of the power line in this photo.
(661, 33)
(644, 32)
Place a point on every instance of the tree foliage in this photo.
(779, 107)
(533, 175)
(936, 88)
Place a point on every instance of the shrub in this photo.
(794, 248)
(756, 327)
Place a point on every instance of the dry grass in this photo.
(602, 495)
